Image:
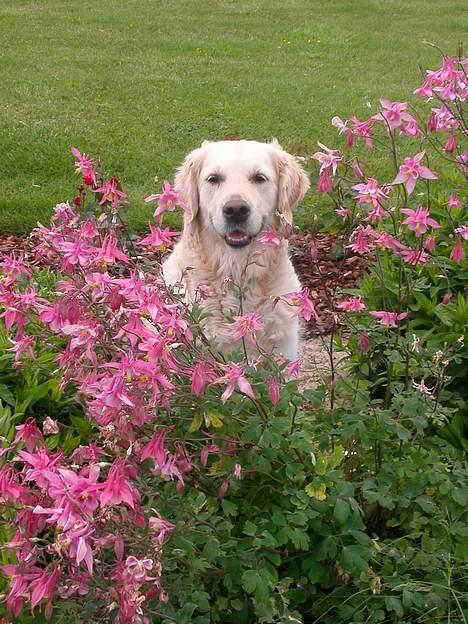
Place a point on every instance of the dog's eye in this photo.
(259, 178)
(214, 178)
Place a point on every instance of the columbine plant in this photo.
(412, 226)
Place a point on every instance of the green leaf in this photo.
(341, 511)
(6, 395)
(249, 581)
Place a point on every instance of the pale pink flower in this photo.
(362, 240)
(387, 241)
(371, 193)
(442, 120)
(419, 220)
(388, 319)
(411, 170)
(246, 326)
(167, 201)
(160, 239)
(50, 426)
(304, 303)
(237, 471)
(343, 128)
(138, 568)
(342, 212)
(410, 129)
(235, 377)
(462, 161)
(424, 389)
(274, 392)
(328, 159)
(454, 201)
(111, 193)
(270, 237)
(160, 528)
(394, 114)
(23, 346)
(353, 304)
(463, 231)
(458, 253)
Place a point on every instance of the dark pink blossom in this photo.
(111, 193)
(388, 319)
(247, 326)
(458, 253)
(419, 220)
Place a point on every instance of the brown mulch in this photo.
(323, 265)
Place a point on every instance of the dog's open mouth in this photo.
(237, 238)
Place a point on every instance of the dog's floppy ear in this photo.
(293, 183)
(186, 182)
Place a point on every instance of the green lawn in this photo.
(140, 82)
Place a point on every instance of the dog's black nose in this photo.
(236, 212)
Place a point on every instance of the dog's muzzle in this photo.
(236, 214)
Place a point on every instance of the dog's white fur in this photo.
(270, 182)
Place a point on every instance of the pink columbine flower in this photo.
(109, 251)
(462, 161)
(387, 241)
(49, 426)
(458, 253)
(155, 450)
(353, 304)
(117, 489)
(410, 129)
(328, 159)
(160, 528)
(411, 170)
(342, 212)
(388, 319)
(450, 145)
(202, 373)
(270, 237)
(414, 256)
(235, 377)
(160, 239)
(419, 220)
(168, 200)
(393, 113)
(362, 240)
(454, 201)
(138, 568)
(370, 193)
(343, 128)
(29, 433)
(274, 390)
(85, 166)
(246, 326)
(324, 184)
(44, 587)
(430, 243)
(463, 231)
(206, 452)
(237, 471)
(304, 303)
(111, 193)
(292, 368)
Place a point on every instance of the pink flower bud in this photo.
(364, 343)
(223, 489)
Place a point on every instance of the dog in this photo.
(233, 191)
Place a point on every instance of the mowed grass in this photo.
(139, 83)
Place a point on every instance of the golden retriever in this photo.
(233, 191)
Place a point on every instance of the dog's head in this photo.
(239, 188)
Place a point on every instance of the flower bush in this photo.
(150, 480)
